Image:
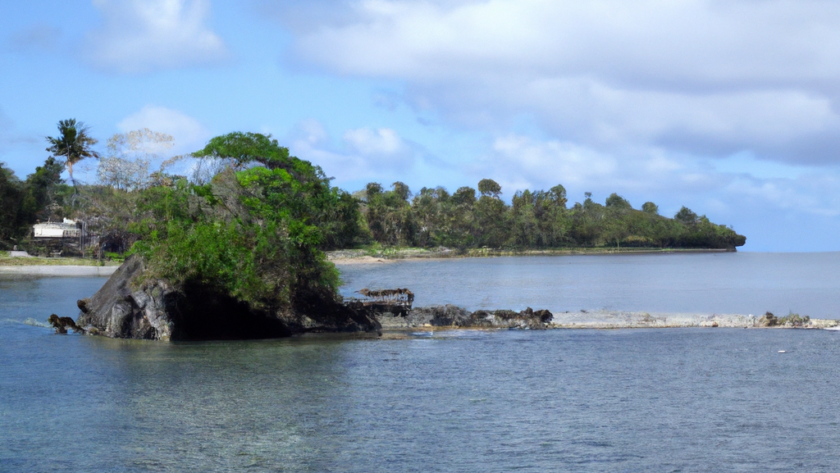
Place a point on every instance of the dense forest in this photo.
(120, 207)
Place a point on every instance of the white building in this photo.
(65, 229)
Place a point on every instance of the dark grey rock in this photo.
(454, 316)
(132, 306)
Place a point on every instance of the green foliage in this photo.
(12, 195)
(255, 233)
(245, 148)
(389, 216)
(650, 208)
(534, 219)
(615, 201)
(686, 216)
(489, 187)
(115, 256)
(22, 203)
(43, 189)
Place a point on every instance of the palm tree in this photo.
(73, 142)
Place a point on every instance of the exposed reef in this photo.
(454, 316)
(132, 306)
(457, 317)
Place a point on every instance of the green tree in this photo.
(41, 188)
(491, 228)
(328, 209)
(686, 216)
(245, 148)
(11, 198)
(254, 234)
(489, 187)
(650, 208)
(617, 202)
(73, 143)
(558, 196)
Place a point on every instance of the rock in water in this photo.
(454, 316)
(130, 306)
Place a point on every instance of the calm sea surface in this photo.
(742, 283)
(471, 401)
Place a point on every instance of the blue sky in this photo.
(727, 107)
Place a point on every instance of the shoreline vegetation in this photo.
(36, 264)
(381, 255)
(239, 178)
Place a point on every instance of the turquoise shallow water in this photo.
(562, 400)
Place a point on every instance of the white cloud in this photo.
(140, 36)
(379, 142)
(187, 132)
(518, 162)
(698, 76)
(365, 154)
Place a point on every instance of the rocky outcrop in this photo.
(454, 316)
(132, 306)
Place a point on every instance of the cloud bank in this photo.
(362, 155)
(706, 77)
(141, 36)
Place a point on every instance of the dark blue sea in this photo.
(473, 401)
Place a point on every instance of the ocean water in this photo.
(742, 283)
(497, 401)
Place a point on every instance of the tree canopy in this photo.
(73, 143)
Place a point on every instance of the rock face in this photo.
(453, 316)
(153, 309)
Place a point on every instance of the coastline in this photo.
(58, 270)
(390, 255)
(602, 319)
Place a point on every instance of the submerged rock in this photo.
(131, 306)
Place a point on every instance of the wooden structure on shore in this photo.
(396, 301)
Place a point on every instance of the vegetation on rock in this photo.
(253, 232)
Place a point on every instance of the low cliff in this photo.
(130, 306)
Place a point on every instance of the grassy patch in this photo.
(37, 261)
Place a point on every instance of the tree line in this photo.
(118, 206)
(477, 218)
